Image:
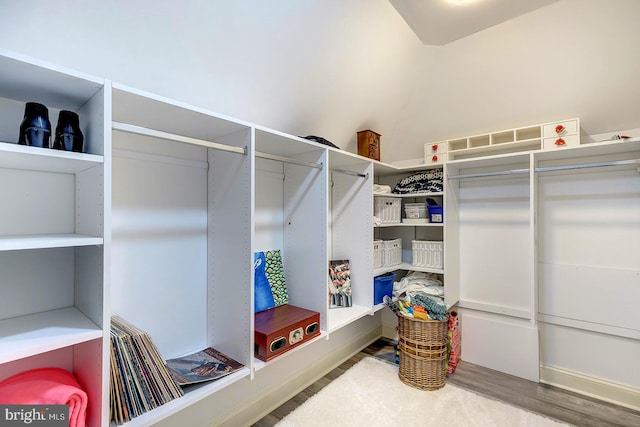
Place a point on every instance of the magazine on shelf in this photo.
(339, 283)
(205, 365)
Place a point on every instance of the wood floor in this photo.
(546, 400)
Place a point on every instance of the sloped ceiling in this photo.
(438, 22)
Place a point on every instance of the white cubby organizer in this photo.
(547, 136)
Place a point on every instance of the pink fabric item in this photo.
(46, 386)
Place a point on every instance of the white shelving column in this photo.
(351, 232)
(491, 235)
(291, 204)
(182, 215)
(52, 231)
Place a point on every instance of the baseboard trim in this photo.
(608, 391)
(390, 331)
(252, 411)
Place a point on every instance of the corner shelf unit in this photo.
(391, 175)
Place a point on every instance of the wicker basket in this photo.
(423, 352)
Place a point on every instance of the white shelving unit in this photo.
(53, 228)
(350, 229)
(534, 233)
(391, 175)
(181, 214)
(547, 136)
(158, 220)
(291, 214)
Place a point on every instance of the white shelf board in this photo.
(346, 160)
(400, 224)
(493, 160)
(192, 395)
(410, 195)
(281, 144)
(38, 333)
(12, 243)
(406, 266)
(259, 364)
(27, 79)
(339, 317)
(521, 145)
(378, 307)
(382, 169)
(590, 149)
(136, 107)
(16, 156)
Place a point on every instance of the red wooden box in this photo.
(281, 328)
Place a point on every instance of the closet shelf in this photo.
(47, 241)
(260, 364)
(193, 394)
(33, 334)
(339, 317)
(401, 224)
(406, 266)
(25, 157)
(409, 195)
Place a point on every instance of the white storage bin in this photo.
(428, 254)
(391, 252)
(415, 210)
(377, 254)
(388, 209)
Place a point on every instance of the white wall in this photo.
(573, 58)
(331, 67)
(323, 67)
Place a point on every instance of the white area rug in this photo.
(371, 394)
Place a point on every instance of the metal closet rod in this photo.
(480, 174)
(288, 160)
(589, 165)
(139, 130)
(550, 168)
(346, 172)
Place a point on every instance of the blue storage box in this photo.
(383, 285)
(435, 213)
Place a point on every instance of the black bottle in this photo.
(35, 129)
(68, 134)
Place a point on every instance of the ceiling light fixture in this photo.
(460, 2)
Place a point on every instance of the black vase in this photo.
(68, 134)
(35, 129)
